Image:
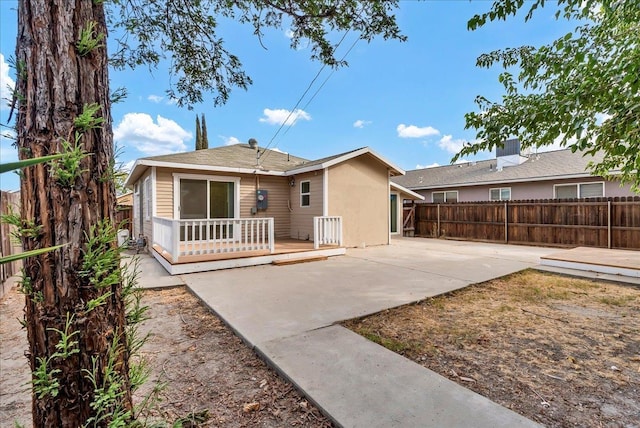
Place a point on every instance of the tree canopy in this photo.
(189, 33)
(582, 90)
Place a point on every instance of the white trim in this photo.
(402, 189)
(133, 175)
(578, 184)
(146, 193)
(399, 215)
(153, 192)
(499, 189)
(445, 196)
(325, 192)
(184, 268)
(308, 193)
(227, 179)
(339, 159)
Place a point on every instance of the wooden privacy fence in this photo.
(593, 222)
(8, 245)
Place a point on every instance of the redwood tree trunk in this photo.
(54, 83)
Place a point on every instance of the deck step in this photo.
(298, 260)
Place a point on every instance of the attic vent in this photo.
(253, 143)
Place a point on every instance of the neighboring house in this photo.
(513, 175)
(243, 198)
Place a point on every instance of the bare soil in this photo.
(561, 351)
(207, 369)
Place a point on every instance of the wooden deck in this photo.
(616, 262)
(285, 249)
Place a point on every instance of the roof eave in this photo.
(213, 168)
(395, 170)
(406, 191)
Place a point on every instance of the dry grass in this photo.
(561, 351)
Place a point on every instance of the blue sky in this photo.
(405, 100)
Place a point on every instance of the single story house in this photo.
(239, 201)
(513, 175)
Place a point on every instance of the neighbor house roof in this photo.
(560, 164)
(241, 158)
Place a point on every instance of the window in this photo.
(305, 193)
(136, 200)
(578, 190)
(205, 199)
(445, 197)
(146, 193)
(500, 194)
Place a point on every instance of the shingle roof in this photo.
(235, 156)
(548, 165)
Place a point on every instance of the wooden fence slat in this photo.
(593, 222)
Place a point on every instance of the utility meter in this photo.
(262, 199)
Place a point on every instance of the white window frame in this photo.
(136, 200)
(176, 190)
(147, 198)
(305, 194)
(578, 188)
(500, 189)
(445, 195)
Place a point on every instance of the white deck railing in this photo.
(327, 230)
(213, 236)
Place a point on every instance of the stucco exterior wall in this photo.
(359, 192)
(277, 187)
(530, 190)
(302, 217)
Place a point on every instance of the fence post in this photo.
(506, 223)
(438, 229)
(609, 243)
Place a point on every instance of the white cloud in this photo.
(230, 141)
(162, 137)
(283, 116)
(7, 84)
(8, 153)
(127, 166)
(433, 165)
(288, 33)
(413, 131)
(602, 117)
(450, 145)
(361, 123)
(155, 98)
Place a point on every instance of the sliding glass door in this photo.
(205, 199)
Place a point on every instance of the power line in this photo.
(323, 83)
(291, 112)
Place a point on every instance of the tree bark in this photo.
(54, 82)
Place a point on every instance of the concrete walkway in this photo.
(288, 314)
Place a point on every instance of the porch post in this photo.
(272, 241)
(340, 231)
(316, 244)
(175, 240)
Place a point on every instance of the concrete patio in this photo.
(289, 315)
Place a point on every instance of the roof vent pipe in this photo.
(253, 143)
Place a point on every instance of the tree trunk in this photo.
(54, 82)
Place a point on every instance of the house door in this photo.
(394, 213)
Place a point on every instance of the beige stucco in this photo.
(359, 192)
(302, 217)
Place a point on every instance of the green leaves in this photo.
(563, 90)
(6, 167)
(188, 33)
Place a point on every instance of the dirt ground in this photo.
(561, 351)
(205, 367)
